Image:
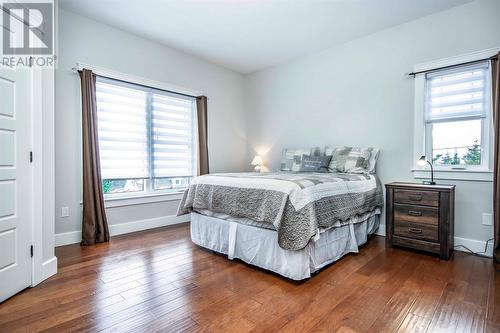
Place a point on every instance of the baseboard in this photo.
(125, 228)
(66, 238)
(74, 237)
(474, 245)
(49, 268)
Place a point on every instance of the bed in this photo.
(291, 223)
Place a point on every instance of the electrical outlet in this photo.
(64, 211)
(487, 219)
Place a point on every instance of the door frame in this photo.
(44, 261)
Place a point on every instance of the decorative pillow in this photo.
(315, 163)
(292, 158)
(349, 159)
(372, 163)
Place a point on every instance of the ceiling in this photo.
(249, 35)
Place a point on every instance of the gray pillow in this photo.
(292, 158)
(349, 159)
(314, 163)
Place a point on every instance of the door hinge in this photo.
(31, 157)
(31, 251)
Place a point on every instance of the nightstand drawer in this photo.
(426, 198)
(418, 214)
(416, 230)
(416, 244)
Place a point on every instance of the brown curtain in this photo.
(94, 222)
(201, 106)
(495, 79)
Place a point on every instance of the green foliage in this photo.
(106, 186)
(436, 158)
(450, 160)
(473, 155)
(446, 159)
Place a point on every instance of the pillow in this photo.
(373, 160)
(315, 163)
(349, 159)
(292, 158)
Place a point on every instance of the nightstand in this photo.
(421, 217)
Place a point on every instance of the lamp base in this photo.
(428, 182)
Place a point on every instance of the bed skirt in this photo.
(259, 247)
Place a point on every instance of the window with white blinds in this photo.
(457, 109)
(461, 93)
(147, 137)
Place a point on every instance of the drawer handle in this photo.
(415, 197)
(414, 213)
(415, 230)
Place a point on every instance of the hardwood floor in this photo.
(159, 281)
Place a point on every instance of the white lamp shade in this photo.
(257, 160)
(422, 161)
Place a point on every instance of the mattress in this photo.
(241, 220)
(259, 246)
(266, 225)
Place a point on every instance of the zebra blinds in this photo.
(144, 132)
(172, 135)
(460, 94)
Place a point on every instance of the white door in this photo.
(15, 181)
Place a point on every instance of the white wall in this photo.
(87, 41)
(356, 94)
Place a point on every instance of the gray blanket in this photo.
(297, 204)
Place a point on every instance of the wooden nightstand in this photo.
(421, 217)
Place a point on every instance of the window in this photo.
(457, 103)
(147, 138)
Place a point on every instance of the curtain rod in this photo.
(451, 66)
(76, 70)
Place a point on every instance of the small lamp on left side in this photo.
(258, 163)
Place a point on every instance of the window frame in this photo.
(149, 183)
(149, 194)
(423, 130)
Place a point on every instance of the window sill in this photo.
(130, 200)
(466, 175)
(141, 199)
